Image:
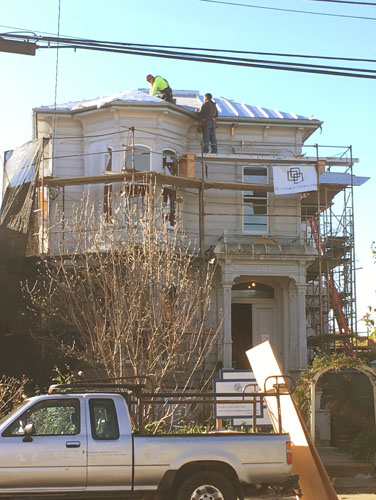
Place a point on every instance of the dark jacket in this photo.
(208, 111)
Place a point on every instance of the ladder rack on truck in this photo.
(134, 390)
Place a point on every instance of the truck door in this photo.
(109, 443)
(55, 458)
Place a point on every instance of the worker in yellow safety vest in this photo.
(160, 87)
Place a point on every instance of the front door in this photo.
(264, 324)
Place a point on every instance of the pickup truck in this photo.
(83, 444)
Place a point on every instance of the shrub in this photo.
(363, 446)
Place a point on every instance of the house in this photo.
(277, 263)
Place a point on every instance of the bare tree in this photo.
(132, 289)
(11, 393)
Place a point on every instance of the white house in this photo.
(262, 241)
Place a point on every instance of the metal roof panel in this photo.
(188, 99)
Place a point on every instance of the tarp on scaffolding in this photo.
(20, 173)
(294, 179)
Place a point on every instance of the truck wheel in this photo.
(207, 486)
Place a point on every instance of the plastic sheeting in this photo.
(19, 167)
(20, 173)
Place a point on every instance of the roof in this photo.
(192, 99)
(188, 99)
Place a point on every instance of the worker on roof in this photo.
(160, 87)
(208, 115)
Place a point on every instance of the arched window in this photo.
(252, 290)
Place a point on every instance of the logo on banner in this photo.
(295, 175)
(294, 179)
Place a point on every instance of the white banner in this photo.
(294, 179)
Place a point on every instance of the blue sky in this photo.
(346, 105)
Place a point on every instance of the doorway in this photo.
(253, 319)
(241, 328)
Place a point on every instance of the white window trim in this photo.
(244, 231)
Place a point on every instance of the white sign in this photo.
(237, 375)
(294, 179)
(243, 409)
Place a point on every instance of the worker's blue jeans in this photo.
(208, 135)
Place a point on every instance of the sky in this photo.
(345, 105)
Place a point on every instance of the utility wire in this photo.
(276, 54)
(239, 59)
(235, 4)
(203, 49)
(189, 56)
(56, 67)
(350, 72)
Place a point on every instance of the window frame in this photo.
(93, 431)
(48, 403)
(135, 157)
(266, 198)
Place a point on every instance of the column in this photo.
(302, 325)
(226, 327)
(293, 332)
(298, 337)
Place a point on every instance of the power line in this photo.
(235, 4)
(179, 47)
(232, 51)
(189, 56)
(56, 74)
(236, 59)
(350, 72)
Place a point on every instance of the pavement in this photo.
(352, 480)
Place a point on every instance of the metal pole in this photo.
(63, 214)
(313, 410)
(319, 251)
(354, 316)
(201, 211)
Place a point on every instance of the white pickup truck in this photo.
(83, 444)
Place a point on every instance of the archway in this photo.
(365, 369)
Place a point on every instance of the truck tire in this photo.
(207, 486)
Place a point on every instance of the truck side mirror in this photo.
(29, 431)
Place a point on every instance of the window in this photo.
(50, 418)
(169, 200)
(170, 162)
(255, 202)
(170, 167)
(107, 201)
(141, 158)
(103, 418)
(134, 203)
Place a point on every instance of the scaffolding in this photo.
(331, 283)
(331, 288)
